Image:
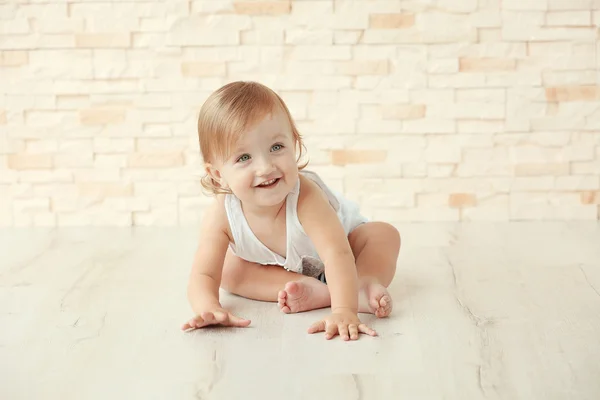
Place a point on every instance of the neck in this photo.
(269, 212)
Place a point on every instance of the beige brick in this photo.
(570, 5)
(211, 7)
(208, 30)
(462, 200)
(95, 217)
(29, 161)
(489, 35)
(72, 101)
(485, 64)
(375, 126)
(429, 125)
(577, 183)
(3, 119)
(442, 150)
(110, 161)
(165, 144)
(160, 216)
(590, 197)
(74, 160)
(7, 175)
(391, 21)
(481, 95)
(467, 110)
(321, 52)
(535, 49)
(46, 119)
(103, 190)
(302, 36)
(46, 176)
(14, 58)
(363, 67)
(569, 78)
(573, 93)
(101, 116)
(532, 184)
(127, 203)
(157, 159)
(586, 168)
(103, 40)
(555, 169)
(97, 175)
(343, 157)
(458, 6)
(459, 80)
(429, 96)
(483, 18)
(31, 206)
(525, 5)
(569, 18)
(480, 126)
(517, 32)
(346, 37)
(265, 37)
(75, 146)
(426, 214)
(404, 111)
(443, 66)
(262, 7)
(478, 51)
(202, 69)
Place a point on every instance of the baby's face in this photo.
(262, 169)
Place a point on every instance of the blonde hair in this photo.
(227, 113)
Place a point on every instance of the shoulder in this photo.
(312, 201)
(310, 193)
(215, 217)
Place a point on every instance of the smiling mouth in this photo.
(269, 183)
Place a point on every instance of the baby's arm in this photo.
(322, 225)
(207, 267)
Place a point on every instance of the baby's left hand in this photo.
(344, 322)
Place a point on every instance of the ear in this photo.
(215, 174)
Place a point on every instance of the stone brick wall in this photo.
(421, 110)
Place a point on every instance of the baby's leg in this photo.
(264, 282)
(376, 246)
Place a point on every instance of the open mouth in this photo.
(269, 184)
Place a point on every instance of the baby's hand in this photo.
(342, 321)
(216, 316)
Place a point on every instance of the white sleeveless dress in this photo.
(301, 255)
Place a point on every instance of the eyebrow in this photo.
(240, 149)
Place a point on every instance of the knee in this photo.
(391, 234)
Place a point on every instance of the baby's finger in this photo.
(186, 326)
(330, 331)
(353, 330)
(343, 329)
(317, 327)
(220, 317)
(207, 319)
(365, 329)
(237, 321)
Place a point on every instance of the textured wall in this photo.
(421, 110)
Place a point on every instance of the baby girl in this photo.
(275, 231)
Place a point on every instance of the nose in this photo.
(264, 166)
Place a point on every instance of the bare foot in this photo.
(375, 299)
(303, 295)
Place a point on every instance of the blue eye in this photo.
(243, 158)
(276, 147)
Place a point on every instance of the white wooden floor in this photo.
(487, 310)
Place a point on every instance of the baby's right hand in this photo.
(216, 316)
